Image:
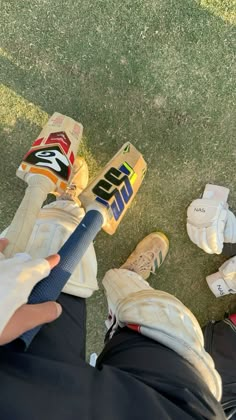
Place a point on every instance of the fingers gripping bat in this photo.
(106, 201)
(45, 168)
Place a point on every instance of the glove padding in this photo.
(206, 221)
(55, 224)
(230, 229)
(18, 276)
(224, 281)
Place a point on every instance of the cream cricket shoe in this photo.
(148, 255)
(79, 181)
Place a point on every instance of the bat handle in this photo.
(23, 222)
(71, 253)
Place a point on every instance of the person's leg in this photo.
(64, 339)
(154, 314)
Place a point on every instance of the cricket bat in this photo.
(45, 168)
(106, 201)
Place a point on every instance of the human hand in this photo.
(18, 276)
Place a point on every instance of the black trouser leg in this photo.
(64, 339)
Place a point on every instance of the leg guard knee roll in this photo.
(161, 317)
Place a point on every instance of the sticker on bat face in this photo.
(56, 120)
(59, 138)
(51, 158)
(37, 142)
(126, 149)
(54, 159)
(115, 190)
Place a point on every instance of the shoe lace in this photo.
(144, 262)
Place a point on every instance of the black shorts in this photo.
(135, 378)
(220, 342)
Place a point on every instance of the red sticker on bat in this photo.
(76, 130)
(57, 120)
(37, 142)
(72, 158)
(59, 138)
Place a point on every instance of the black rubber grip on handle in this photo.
(71, 253)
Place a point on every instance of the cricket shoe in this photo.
(149, 255)
(79, 181)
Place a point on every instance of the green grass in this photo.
(224, 9)
(158, 73)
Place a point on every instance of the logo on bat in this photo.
(51, 158)
(115, 190)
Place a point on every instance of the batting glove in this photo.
(224, 281)
(230, 229)
(18, 276)
(207, 218)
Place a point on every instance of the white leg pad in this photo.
(161, 317)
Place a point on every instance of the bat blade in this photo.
(53, 152)
(106, 200)
(115, 187)
(47, 167)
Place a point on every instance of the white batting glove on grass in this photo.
(207, 219)
(224, 281)
(18, 276)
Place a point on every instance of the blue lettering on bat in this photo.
(116, 184)
(117, 206)
(127, 190)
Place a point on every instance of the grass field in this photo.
(158, 73)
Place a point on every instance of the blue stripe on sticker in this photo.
(103, 202)
(117, 206)
(127, 190)
(124, 169)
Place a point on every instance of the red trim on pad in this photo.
(134, 327)
(233, 318)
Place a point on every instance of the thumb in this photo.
(27, 317)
